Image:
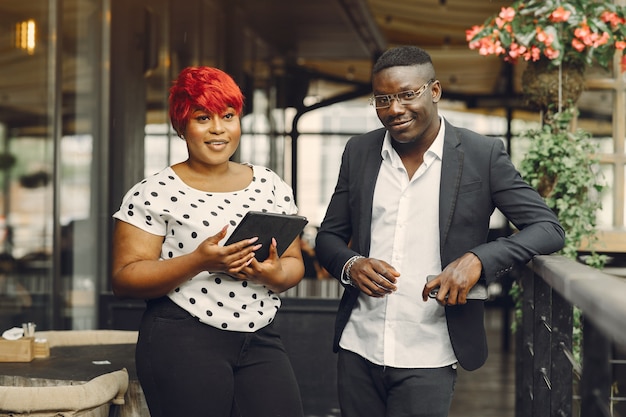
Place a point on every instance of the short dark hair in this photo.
(401, 56)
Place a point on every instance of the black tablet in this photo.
(283, 227)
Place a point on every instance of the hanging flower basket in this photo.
(546, 85)
(560, 30)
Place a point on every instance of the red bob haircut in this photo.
(204, 88)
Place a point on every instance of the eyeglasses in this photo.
(404, 97)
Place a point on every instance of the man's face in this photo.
(409, 117)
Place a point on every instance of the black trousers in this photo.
(369, 390)
(187, 368)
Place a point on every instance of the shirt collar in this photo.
(434, 151)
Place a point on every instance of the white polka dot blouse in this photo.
(165, 206)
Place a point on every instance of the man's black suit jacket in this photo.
(477, 176)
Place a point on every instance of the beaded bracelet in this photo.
(348, 267)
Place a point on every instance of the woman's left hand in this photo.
(276, 273)
(269, 267)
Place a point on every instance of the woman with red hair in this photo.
(207, 345)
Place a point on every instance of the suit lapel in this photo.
(371, 163)
(451, 170)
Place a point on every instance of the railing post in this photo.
(561, 373)
(600, 298)
(524, 356)
(595, 387)
(542, 384)
(544, 340)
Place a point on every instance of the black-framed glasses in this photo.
(404, 97)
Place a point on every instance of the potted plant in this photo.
(559, 40)
(562, 166)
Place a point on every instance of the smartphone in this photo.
(477, 292)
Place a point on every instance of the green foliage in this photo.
(561, 165)
(516, 295)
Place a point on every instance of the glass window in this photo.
(51, 118)
(79, 168)
(26, 163)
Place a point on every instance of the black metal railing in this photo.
(555, 376)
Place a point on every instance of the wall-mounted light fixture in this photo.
(25, 36)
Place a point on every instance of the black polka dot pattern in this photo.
(165, 206)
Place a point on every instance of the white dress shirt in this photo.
(400, 330)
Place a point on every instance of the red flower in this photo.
(580, 31)
(612, 18)
(578, 45)
(560, 15)
(515, 51)
(506, 15)
(544, 37)
(551, 53)
(473, 31)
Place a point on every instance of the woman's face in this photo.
(212, 138)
